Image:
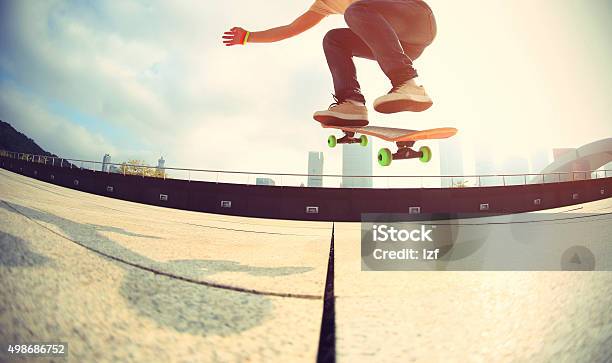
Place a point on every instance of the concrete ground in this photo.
(124, 282)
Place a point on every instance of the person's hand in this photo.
(234, 36)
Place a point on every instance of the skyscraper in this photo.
(515, 165)
(315, 169)
(538, 160)
(451, 160)
(357, 160)
(485, 165)
(106, 160)
(160, 163)
(264, 181)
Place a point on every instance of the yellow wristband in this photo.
(246, 38)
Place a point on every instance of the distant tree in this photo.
(460, 184)
(140, 168)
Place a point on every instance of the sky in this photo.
(142, 79)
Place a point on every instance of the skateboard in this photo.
(404, 139)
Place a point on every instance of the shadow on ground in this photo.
(16, 252)
(183, 306)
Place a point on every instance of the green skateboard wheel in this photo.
(385, 157)
(363, 140)
(331, 141)
(426, 154)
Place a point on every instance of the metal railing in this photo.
(322, 180)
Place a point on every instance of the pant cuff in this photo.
(353, 96)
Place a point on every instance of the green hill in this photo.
(13, 140)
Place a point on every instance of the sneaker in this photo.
(408, 96)
(343, 113)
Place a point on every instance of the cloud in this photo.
(159, 71)
(30, 116)
(155, 72)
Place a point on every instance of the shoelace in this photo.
(337, 102)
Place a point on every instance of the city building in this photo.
(106, 160)
(357, 160)
(575, 162)
(575, 168)
(264, 181)
(515, 165)
(485, 165)
(161, 163)
(315, 169)
(538, 160)
(451, 161)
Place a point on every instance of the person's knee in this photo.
(355, 11)
(332, 38)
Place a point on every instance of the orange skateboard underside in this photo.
(399, 135)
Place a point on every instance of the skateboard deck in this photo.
(403, 138)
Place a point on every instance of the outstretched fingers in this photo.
(234, 36)
(229, 38)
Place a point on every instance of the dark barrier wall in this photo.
(333, 204)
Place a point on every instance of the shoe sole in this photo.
(402, 106)
(336, 121)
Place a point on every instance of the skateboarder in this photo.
(392, 32)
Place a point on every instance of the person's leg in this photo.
(340, 46)
(396, 31)
(385, 24)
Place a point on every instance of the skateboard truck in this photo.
(404, 151)
(348, 138)
(385, 156)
